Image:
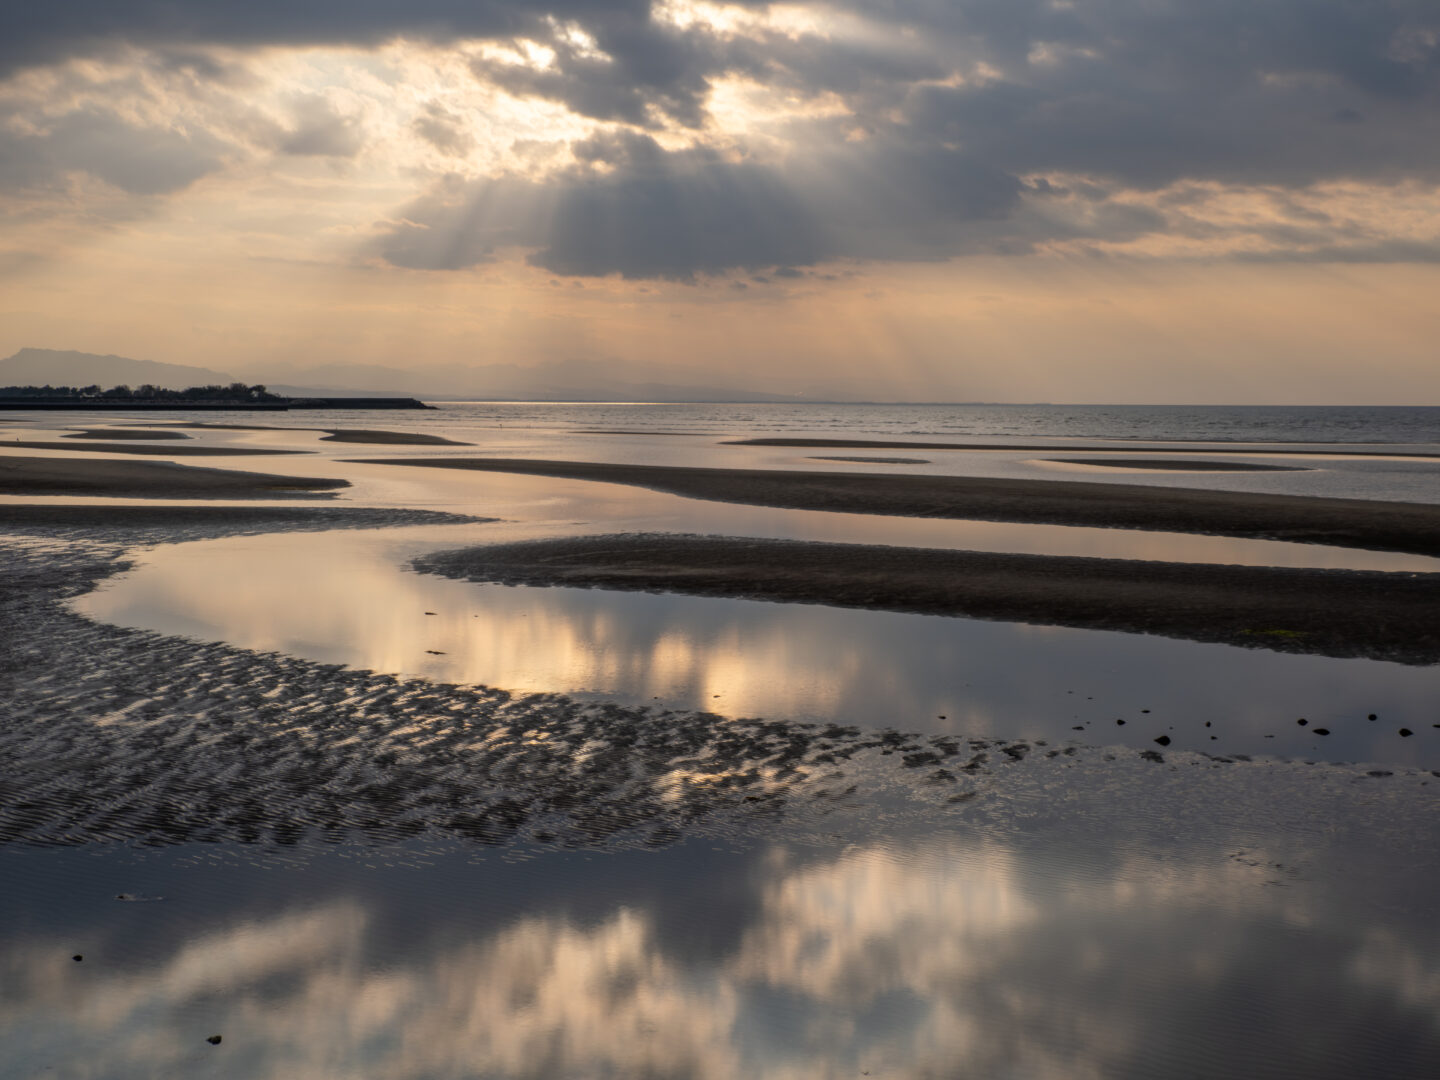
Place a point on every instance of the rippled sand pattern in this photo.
(116, 734)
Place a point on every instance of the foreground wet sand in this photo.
(1359, 523)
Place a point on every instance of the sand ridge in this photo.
(1356, 523)
(152, 479)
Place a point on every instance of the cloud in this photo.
(322, 131)
(443, 130)
(136, 158)
(629, 207)
(900, 129)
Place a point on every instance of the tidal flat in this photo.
(268, 781)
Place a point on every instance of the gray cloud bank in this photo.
(953, 115)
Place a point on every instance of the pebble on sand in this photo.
(1302, 721)
(1163, 740)
(77, 958)
(1405, 733)
(213, 1040)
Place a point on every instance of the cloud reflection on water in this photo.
(912, 959)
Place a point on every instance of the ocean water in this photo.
(1176, 423)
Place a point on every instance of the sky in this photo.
(1023, 200)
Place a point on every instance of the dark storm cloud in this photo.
(632, 208)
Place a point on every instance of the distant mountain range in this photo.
(457, 382)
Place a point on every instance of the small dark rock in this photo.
(1120, 722)
(1405, 733)
(213, 1040)
(1302, 721)
(1207, 723)
(1322, 731)
(1144, 710)
(1163, 740)
(1078, 727)
(77, 957)
(1372, 716)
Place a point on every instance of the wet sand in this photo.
(901, 444)
(121, 433)
(1356, 523)
(151, 479)
(877, 460)
(154, 451)
(1177, 466)
(1333, 613)
(391, 438)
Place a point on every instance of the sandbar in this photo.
(141, 448)
(151, 479)
(1178, 466)
(1342, 613)
(393, 438)
(123, 433)
(1356, 523)
(875, 460)
(898, 444)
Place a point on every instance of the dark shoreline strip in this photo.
(1052, 448)
(1342, 613)
(152, 479)
(151, 451)
(1177, 466)
(1356, 523)
(393, 438)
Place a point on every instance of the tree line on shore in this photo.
(236, 391)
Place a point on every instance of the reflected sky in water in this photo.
(346, 597)
(959, 953)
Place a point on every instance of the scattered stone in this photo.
(434, 652)
(213, 1040)
(1163, 740)
(1405, 733)
(77, 958)
(1120, 722)
(1372, 716)
(1322, 731)
(1302, 721)
(1144, 710)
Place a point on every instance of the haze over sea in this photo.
(1206, 423)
